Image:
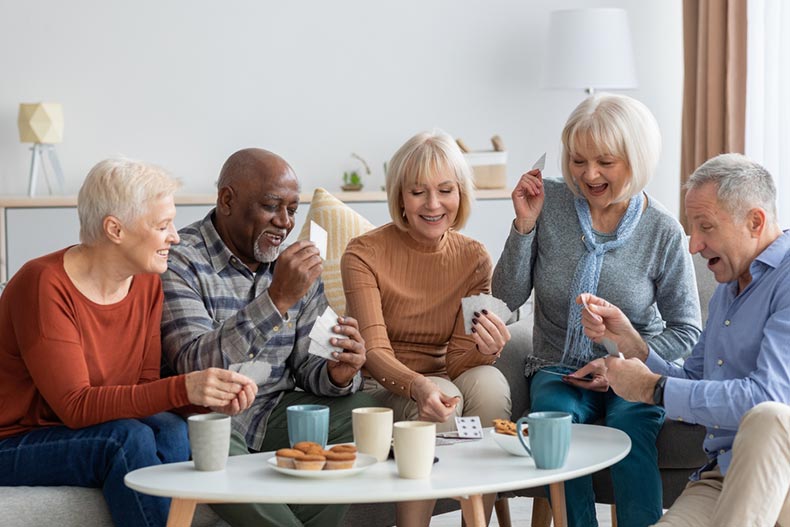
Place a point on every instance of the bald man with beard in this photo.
(235, 299)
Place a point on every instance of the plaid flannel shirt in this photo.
(218, 313)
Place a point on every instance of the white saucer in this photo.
(363, 462)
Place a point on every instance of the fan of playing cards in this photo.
(477, 303)
(321, 333)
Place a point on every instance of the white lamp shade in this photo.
(590, 49)
(40, 123)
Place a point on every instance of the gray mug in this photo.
(550, 437)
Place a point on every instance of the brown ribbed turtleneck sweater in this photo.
(407, 299)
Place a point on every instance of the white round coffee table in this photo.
(465, 471)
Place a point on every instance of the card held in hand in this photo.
(321, 333)
(319, 237)
(477, 303)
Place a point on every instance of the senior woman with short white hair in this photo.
(600, 232)
(81, 399)
(404, 283)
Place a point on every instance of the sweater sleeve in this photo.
(363, 302)
(51, 344)
(462, 352)
(512, 280)
(677, 301)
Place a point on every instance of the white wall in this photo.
(184, 83)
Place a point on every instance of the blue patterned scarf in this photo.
(578, 348)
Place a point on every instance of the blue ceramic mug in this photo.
(550, 437)
(308, 422)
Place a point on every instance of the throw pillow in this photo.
(341, 223)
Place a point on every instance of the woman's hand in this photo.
(434, 405)
(490, 333)
(597, 380)
(221, 390)
(528, 200)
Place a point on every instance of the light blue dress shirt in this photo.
(742, 357)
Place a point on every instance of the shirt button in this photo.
(716, 427)
(290, 325)
(402, 387)
(726, 322)
(680, 419)
(276, 329)
(710, 436)
(383, 379)
(721, 451)
(392, 382)
(252, 355)
(719, 362)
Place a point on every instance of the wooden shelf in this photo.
(361, 196)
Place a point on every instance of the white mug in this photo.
(209, 439)
(415, 444)
(373, 431)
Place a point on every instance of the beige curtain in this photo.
(714, 86)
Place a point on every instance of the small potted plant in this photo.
(351, 179)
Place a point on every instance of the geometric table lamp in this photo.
(590, 49)
(42, 125)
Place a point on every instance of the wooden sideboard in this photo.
(31, 227)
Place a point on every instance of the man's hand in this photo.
(601, 319)
(631, 379)
(435, 406)
(349, 361)
(597, 370)
(297, 268)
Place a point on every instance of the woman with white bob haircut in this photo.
(404, 283)
(82, 401)
(599, 232)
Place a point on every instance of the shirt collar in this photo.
(218, 253)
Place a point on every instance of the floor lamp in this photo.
(590, 49)
(42, 125)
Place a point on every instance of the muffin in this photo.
(309, 462)
(340, 460)
(308, 447)
(347, 448)
(286, 456)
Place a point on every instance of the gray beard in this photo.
(267, 256)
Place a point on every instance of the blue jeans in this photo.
(99, 456)
(636, 479)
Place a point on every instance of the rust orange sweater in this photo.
(67, 360)
(407, 299)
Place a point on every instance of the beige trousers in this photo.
(754, 492)
(483, 390)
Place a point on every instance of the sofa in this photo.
(679, 448)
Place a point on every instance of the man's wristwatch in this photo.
(658, 391)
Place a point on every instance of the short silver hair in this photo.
(741, 185)
(619, 126)
(122, 188)
(422, 156)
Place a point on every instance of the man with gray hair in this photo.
(741, 360)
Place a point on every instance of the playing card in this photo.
(609, 344)
(469, 426)
(477, 303)
(321, 333)
(319, 237)
(540, 163)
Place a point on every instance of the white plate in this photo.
(363, 462)
(510, 444)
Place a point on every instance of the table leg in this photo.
(560, 514)
(181, 512)
(472, 510)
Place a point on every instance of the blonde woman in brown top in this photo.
(404, 283)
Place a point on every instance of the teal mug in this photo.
(550, 437)
(308, 422)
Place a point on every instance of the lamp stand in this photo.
(37, 160)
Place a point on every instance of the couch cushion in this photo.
(341, 223)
